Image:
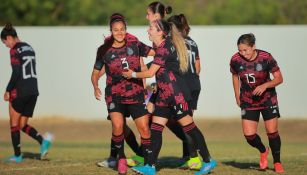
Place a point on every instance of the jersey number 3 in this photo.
(28, 63)
(125, 63)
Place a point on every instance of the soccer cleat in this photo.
(192, 164)
(206, 167)
(108, 163)
(135, 161)
(45, 146)
(15, 159)
(278, 168)
(263, 163)
(122, 166)
(145, 170)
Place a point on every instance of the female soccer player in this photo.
(130, 138)
(192, 79)
(118, 54)
(173, 93)
(156, 11)
(255, 93)
(22, 92)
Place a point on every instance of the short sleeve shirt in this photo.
(252, 74)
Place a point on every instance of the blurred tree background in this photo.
(199, 12)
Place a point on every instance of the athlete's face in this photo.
(248, 52)
(151, 16)
(153, 33)
(119, 31)
(9, 42)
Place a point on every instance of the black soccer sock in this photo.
(275, 144)
(119, 144)
(156, 143)
(198, 138)
(15, 136)
(255, 141)
(176, 128)
(113, 151)
(131, 141)
(145, 148)
(32, 133)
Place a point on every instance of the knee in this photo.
(144, 131)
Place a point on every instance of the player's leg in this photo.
(270, 117)
(250, 119)
(157, 126)
(111, 161)
(140, 117)
(15, 130)
(192, 130)
(118, 122)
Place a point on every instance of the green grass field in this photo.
(80, 144)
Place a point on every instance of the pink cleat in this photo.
(122, 166)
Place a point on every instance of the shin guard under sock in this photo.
(275, 144)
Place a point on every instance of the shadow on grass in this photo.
(35, 156)
(243, 165)
(169, 162)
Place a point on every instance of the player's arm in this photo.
(236, 87)
(277, 79)
(197, 66)
(13, 80)
(144, 74)
(98, 71)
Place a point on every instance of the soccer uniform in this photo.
(252, 74)
(23, 83)
(191, 77)
(173, 93)
(121, 94)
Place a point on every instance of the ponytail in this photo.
(8, 30)
(181, 48)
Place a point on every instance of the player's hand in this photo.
(97, 93)
(258, 91)
(6, 96)
(127, 74)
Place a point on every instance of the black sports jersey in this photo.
(191, 77)
(23, 81)
(116, 60)
(252, 74)
(172, 89)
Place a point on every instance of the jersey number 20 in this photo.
(29, 62)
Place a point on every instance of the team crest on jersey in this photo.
(129, 51)
(259, 67)
(111, 106)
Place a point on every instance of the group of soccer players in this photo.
(176, 67)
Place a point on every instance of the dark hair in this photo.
(248, 39)
(108, 42)
(163, 26)
(181, 23)
(8, 30)
(158, 7)
(115, 17)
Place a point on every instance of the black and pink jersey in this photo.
(191, 76)
(23, 81)
(252, 74)
(116, 60)
(172, 89)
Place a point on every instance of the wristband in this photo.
(133, 75)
